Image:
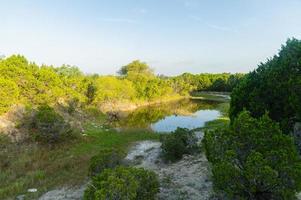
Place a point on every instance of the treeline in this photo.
(256, 157)
(224, 82)
(24, 82)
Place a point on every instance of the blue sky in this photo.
(172, 36)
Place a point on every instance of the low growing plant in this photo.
(123, 183)
(175, 145)
(106, 158)
(48, 126)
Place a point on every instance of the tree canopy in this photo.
(136, 67)
(275, 86)
(24, 82)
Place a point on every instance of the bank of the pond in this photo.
(126, 106)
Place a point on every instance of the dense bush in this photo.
(123, 183)
(106, 158)
(48, 126)
(275, 86)
(175, 145)
(9, 93)
(253, 160)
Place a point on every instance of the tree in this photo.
(91, 92)
(274, 87)
(136, 67)
(253, 159)
(68, 71)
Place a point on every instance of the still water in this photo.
(195, 120)
(167, 117)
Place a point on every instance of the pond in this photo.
(166, 117)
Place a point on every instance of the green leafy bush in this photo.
(252, 159)
(274, 86)
(123, 183)
(9, 93)
(107, 158)
(175, 145)
(49, 126)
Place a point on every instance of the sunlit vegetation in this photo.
(24, 82)
(187, 82)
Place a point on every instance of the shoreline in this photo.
(121, 107)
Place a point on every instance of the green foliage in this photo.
(9, 93)
(123, 183)
(274, 86)
(253, 159)
(110, 88)
(187, 83)
(136, 67)
(91, 92)
(34, 85)
(175, 145)
(68, 71)
(48, 126)
(106, 158)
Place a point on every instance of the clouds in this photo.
(214, 26)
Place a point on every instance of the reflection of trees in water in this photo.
(145, 116)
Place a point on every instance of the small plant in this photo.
(73, 104)
(123, 183)
(49, 126)
(107, 158)
(178, 143)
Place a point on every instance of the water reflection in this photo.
(167, 117)
(196, 120)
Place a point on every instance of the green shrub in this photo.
(107, 158)
(49, 126)
(253, 159)
(274, 86)
(9, 93)
(175, 145)
(73, 104)
(123, 183)
(148, 184)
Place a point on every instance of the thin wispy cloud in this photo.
(120, 20)
(141, 10)
(214, 26)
